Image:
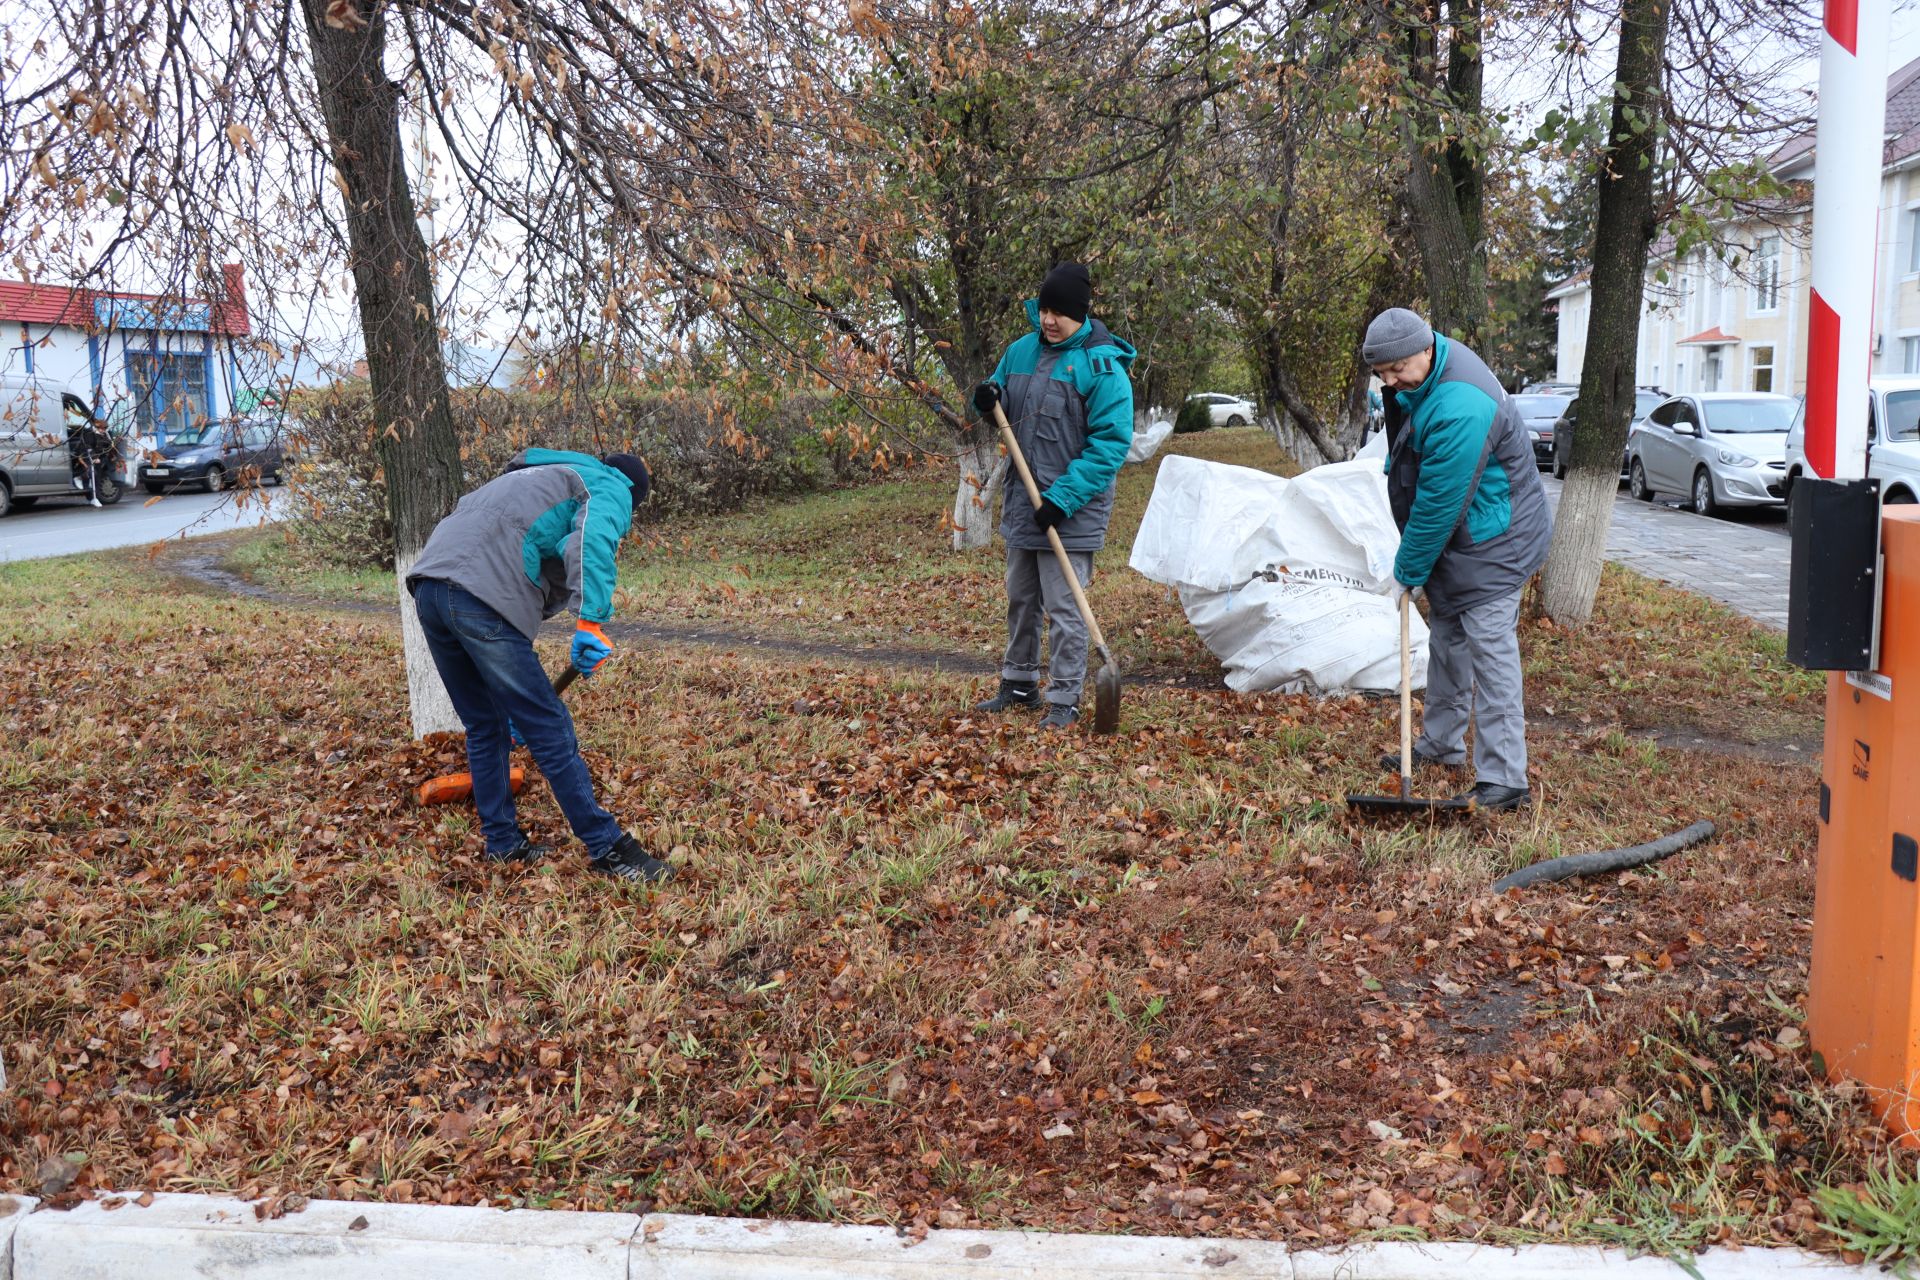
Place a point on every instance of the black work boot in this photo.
(1014, 695)
(628, 861)
(1491, 795)
(1391, 762)
(526, 851)
(1061, 715)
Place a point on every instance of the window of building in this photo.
(169, 392)
(1913, 241)
(1761, 363)
(1910, 355)
(1697, 294)
(1766, 274)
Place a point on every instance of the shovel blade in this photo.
(1106, 699)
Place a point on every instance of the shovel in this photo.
(455, 787)
(1106, 681)
(1406, 801)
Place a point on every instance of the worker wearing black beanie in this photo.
(636, 473)
(1067, 291)
(1068, 400)
(541, 537)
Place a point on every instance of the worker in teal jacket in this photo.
(1066, 394)
(517, 550)
(1474, 527)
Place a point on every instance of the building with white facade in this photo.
(147, 364)
(1733, 317)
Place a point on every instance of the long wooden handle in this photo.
(1053, 535)
(566, 677)
(1406, 695)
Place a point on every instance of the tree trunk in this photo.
(1291, 408)
(1625, 230)
(1444, 180)
(413, 421)
(983, 469)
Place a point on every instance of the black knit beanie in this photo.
(1067, 290)
(636, 471)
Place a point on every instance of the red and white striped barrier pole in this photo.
(1848, 153)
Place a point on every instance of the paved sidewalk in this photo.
(1739, 560)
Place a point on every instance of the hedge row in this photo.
(707, 454)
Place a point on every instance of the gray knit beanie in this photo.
(1395, 334)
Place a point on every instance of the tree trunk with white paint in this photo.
(432, 709)
(983, 469)
(1572, 574)
(413, 419)
(1626, 225)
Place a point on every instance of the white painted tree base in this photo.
(432, 710)
(983, 470)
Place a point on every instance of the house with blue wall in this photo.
(150, 364)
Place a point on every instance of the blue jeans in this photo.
(492, 675)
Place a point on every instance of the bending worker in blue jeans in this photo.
(516, 550)
(1473, 528)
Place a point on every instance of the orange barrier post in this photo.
(1863, 1002)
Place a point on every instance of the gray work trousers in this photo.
(1036, 589)
(1473, 673)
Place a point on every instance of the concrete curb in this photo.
(216, 1238)
(188, 1235)
(13, 1212)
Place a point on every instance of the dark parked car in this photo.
(1539, 413)
(217, 454)
(1644, 401)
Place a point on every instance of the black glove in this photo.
(985, 396)
(1048, 516)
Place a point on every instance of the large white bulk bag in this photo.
(1305, 631)
(1148, 439)
(1283, 580)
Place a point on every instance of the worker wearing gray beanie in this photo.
(1474, 527)
(1395, 334)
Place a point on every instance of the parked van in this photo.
(40, 427)
(1893, 439)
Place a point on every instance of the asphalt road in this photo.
(59, 526)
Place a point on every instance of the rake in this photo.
(1406, 801)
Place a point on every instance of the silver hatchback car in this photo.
(1719, 448)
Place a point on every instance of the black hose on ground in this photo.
(1588, 864)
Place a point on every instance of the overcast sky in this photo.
(1518, 81)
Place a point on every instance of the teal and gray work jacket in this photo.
(1071, 409)
(539, 539)
(1463, 485)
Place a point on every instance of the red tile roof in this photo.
(1708, 338)
(57, 304)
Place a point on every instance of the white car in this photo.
(1893, 439)
(1225, 411)
(1717, 448)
